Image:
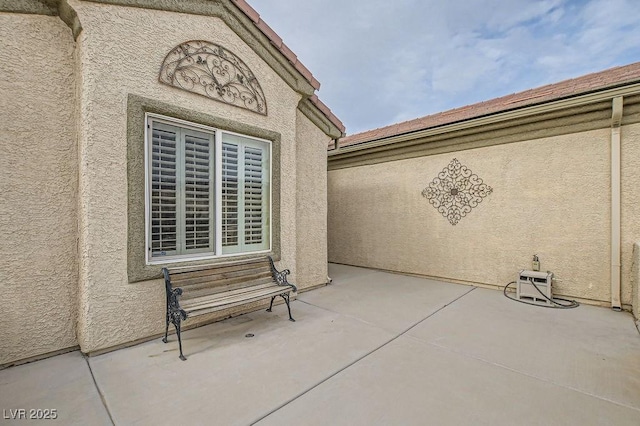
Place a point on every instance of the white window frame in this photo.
(217, 192)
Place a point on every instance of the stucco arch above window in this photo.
(211, 70)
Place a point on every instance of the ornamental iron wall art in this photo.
(210, 70)
(455, 191)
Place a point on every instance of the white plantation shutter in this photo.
(246, 192)
(182, 191)
(229, 195)
(163, 191)
(182, 194)
(198, 191)
(253, 196)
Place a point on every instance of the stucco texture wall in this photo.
(551, 197)
(38, 184)
(121, 51)
(311, 201)
(635, 282)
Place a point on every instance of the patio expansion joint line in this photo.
(361, 357)
(104, 402)
(353, 317)
(524, 373)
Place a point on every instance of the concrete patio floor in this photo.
(373, 348)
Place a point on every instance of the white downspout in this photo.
(616, 119)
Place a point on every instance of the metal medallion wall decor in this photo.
(211, 70)
(455, 191)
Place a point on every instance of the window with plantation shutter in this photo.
(184, 197)
(182, 212)
(246, 191)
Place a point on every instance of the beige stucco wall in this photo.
(121, 50)
(551, 197)
(635, 281)
(38, 175)
(311, 201)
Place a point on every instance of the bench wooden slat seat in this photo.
(194, 291)
(221, 302)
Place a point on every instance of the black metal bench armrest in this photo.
(173, 294)
(281, 277)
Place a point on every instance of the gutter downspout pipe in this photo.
(616, 119)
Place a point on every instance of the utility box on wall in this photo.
(528, 281)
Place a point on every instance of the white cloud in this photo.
(380, 62)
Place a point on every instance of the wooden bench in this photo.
(193, 291)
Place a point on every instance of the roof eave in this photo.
(492, 118)
(319, 118)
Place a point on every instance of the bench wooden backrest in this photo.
(213, 279)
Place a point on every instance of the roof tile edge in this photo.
(593, 82)
(277, 41)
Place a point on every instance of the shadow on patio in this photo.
(372, 348)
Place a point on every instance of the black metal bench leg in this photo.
(271, 304)
(286, 300)
(166, 329)
(176, 323)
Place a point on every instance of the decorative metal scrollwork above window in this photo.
(210, 70)
(455, 191)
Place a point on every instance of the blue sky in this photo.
(381, 62)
